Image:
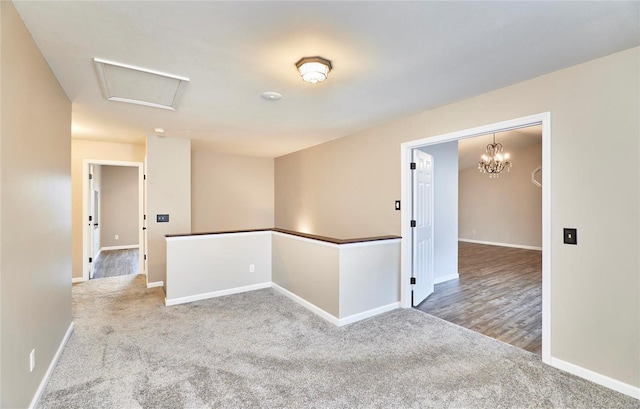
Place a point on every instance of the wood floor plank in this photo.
(114, 263)
(499, 294)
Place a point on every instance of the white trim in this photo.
(306, 304)
(214, 235)
(600, 379)
(125, 247)
(215, 294)
(405, 255)
(135, 68)
(495, 243)
(98, 254)
(367, 314)
(77, 280)
(546, 237)
(143, 103)
(449, 277)
(85, 207)
(339, 322)
(52, 365)
(155, 284)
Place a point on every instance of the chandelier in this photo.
(494, 161)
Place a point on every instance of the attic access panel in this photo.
(135, 85)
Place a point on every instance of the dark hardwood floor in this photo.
(114, 263)
(499, 294)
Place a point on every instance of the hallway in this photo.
(115, 263)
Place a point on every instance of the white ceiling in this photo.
(470, 150)
(390, 59)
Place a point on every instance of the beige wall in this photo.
(309, 269)
(35, 269)
(346, 187)
(168, 192)
(230, 192)
(507, 209)
(81, 150)
(204, 264)
(119, 206)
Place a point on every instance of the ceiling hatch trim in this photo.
(141, 86)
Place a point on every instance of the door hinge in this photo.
(90, 218)
(413, 280)
(144, 177)
(144, 217)
(90, 259)
(413, 166)
(413, 223)
(145, 256)
(90, 176)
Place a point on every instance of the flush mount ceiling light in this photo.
(494, 161)
(314, 69)
(158, 130)
(141, 86)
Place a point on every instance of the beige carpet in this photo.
(261, 350)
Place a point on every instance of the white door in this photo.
(422, 213)
(144, 243)
(90, 223)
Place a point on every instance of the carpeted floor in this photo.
(261, 350)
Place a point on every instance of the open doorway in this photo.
(488, 238)
(114, 214)
(411, 265)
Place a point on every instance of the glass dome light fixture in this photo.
(494, 161)
(314, 69)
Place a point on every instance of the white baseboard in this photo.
(52, 365)
(215, 294)
(446, 278)
(125, 247)
(155, 284)
(77, 280)
(331, 318)
(306, 304)
(600, 379)
(368, 314)
(494, 243)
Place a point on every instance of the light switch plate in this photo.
(570, 236)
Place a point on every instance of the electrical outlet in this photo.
(252, 268)
(117, 237)
(32, 360)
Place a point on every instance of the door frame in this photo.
(406, 148)
(85, 210)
